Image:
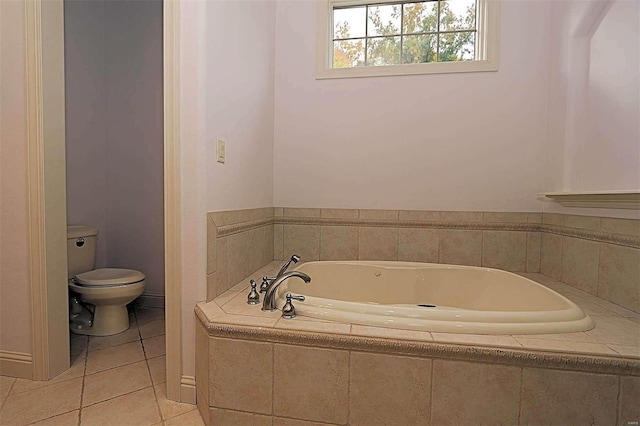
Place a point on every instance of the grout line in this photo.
(431, 390)
(84, 376)
(520, 397)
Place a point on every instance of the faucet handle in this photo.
(253, 298)
(265, 283)
(288, 310)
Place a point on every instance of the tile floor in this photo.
(114, 380)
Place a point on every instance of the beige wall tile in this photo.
(42, 403)
(460, 247)
(621, 226)
(582, 222)
(278, 242)
(137, 408)
(553, 219)
(220, 280)
(418, 245)
(278, 211)
(629, 401)
(339, 213)
(504, 250)
(115, 382)
(580, 263)
(551, 255)
(420, 215)
(220, 417)
(372, 214)
(377, 243)
(202, 362)
(303, 240)
(392, 333)
(212, 234)
(453, 216)
(294, 212)
(237, 257)
(339, 242)
(505, 217)
(619, 275)
(567, 397)
(219, 218)
(402, 385)
(240, 375)
(534, 217)
(267, 244)
(473, 393)
(533, 251)
(311, 383)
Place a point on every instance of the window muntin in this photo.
(399, 33)
(478, 53)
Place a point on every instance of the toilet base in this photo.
(107, 321)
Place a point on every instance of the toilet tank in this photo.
(81, 249)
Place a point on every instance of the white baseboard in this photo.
(188, 389)
(16, 364)
(150, 300)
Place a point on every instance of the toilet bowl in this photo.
(109, 290)
(104, 292)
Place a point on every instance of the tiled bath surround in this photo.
(598, 255)
(256, 368)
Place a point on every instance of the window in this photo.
(382, 37)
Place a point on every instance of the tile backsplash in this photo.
(595, 254)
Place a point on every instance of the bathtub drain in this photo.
(423, 305)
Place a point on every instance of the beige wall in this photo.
(15, 313)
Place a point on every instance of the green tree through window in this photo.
(404, 33)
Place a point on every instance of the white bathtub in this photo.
(455, 299)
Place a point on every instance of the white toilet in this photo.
(109, 290)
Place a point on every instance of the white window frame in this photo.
(487, 45)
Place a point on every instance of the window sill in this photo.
(407, 69)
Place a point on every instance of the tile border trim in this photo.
(631, 241)
(461, 352)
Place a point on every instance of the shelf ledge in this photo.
(624, 199)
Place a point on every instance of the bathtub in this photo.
(432, 297)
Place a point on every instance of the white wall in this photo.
(240, 77)
(226, 84)
(15, 302)
(115, 130)
(593, 141)
(443, 142)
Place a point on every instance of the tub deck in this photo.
(616, 335)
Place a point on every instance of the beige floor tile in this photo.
(154, 346)
(5, 386)
(152, 328)
(130, 335)
(76, 370)
(146, 315)
(78, 343)
(115, 382)
(138, 408)
(220, 417)
(192, 418)
(66, 419)
(626, 350)
(158, 369)
(114, 356)
(170, 409)
(40, 404)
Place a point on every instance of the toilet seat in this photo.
(108, 277)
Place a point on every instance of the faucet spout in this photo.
(269, 301)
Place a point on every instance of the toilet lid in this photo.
(109, 277)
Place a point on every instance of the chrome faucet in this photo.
(266, 281)
(269, 301)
